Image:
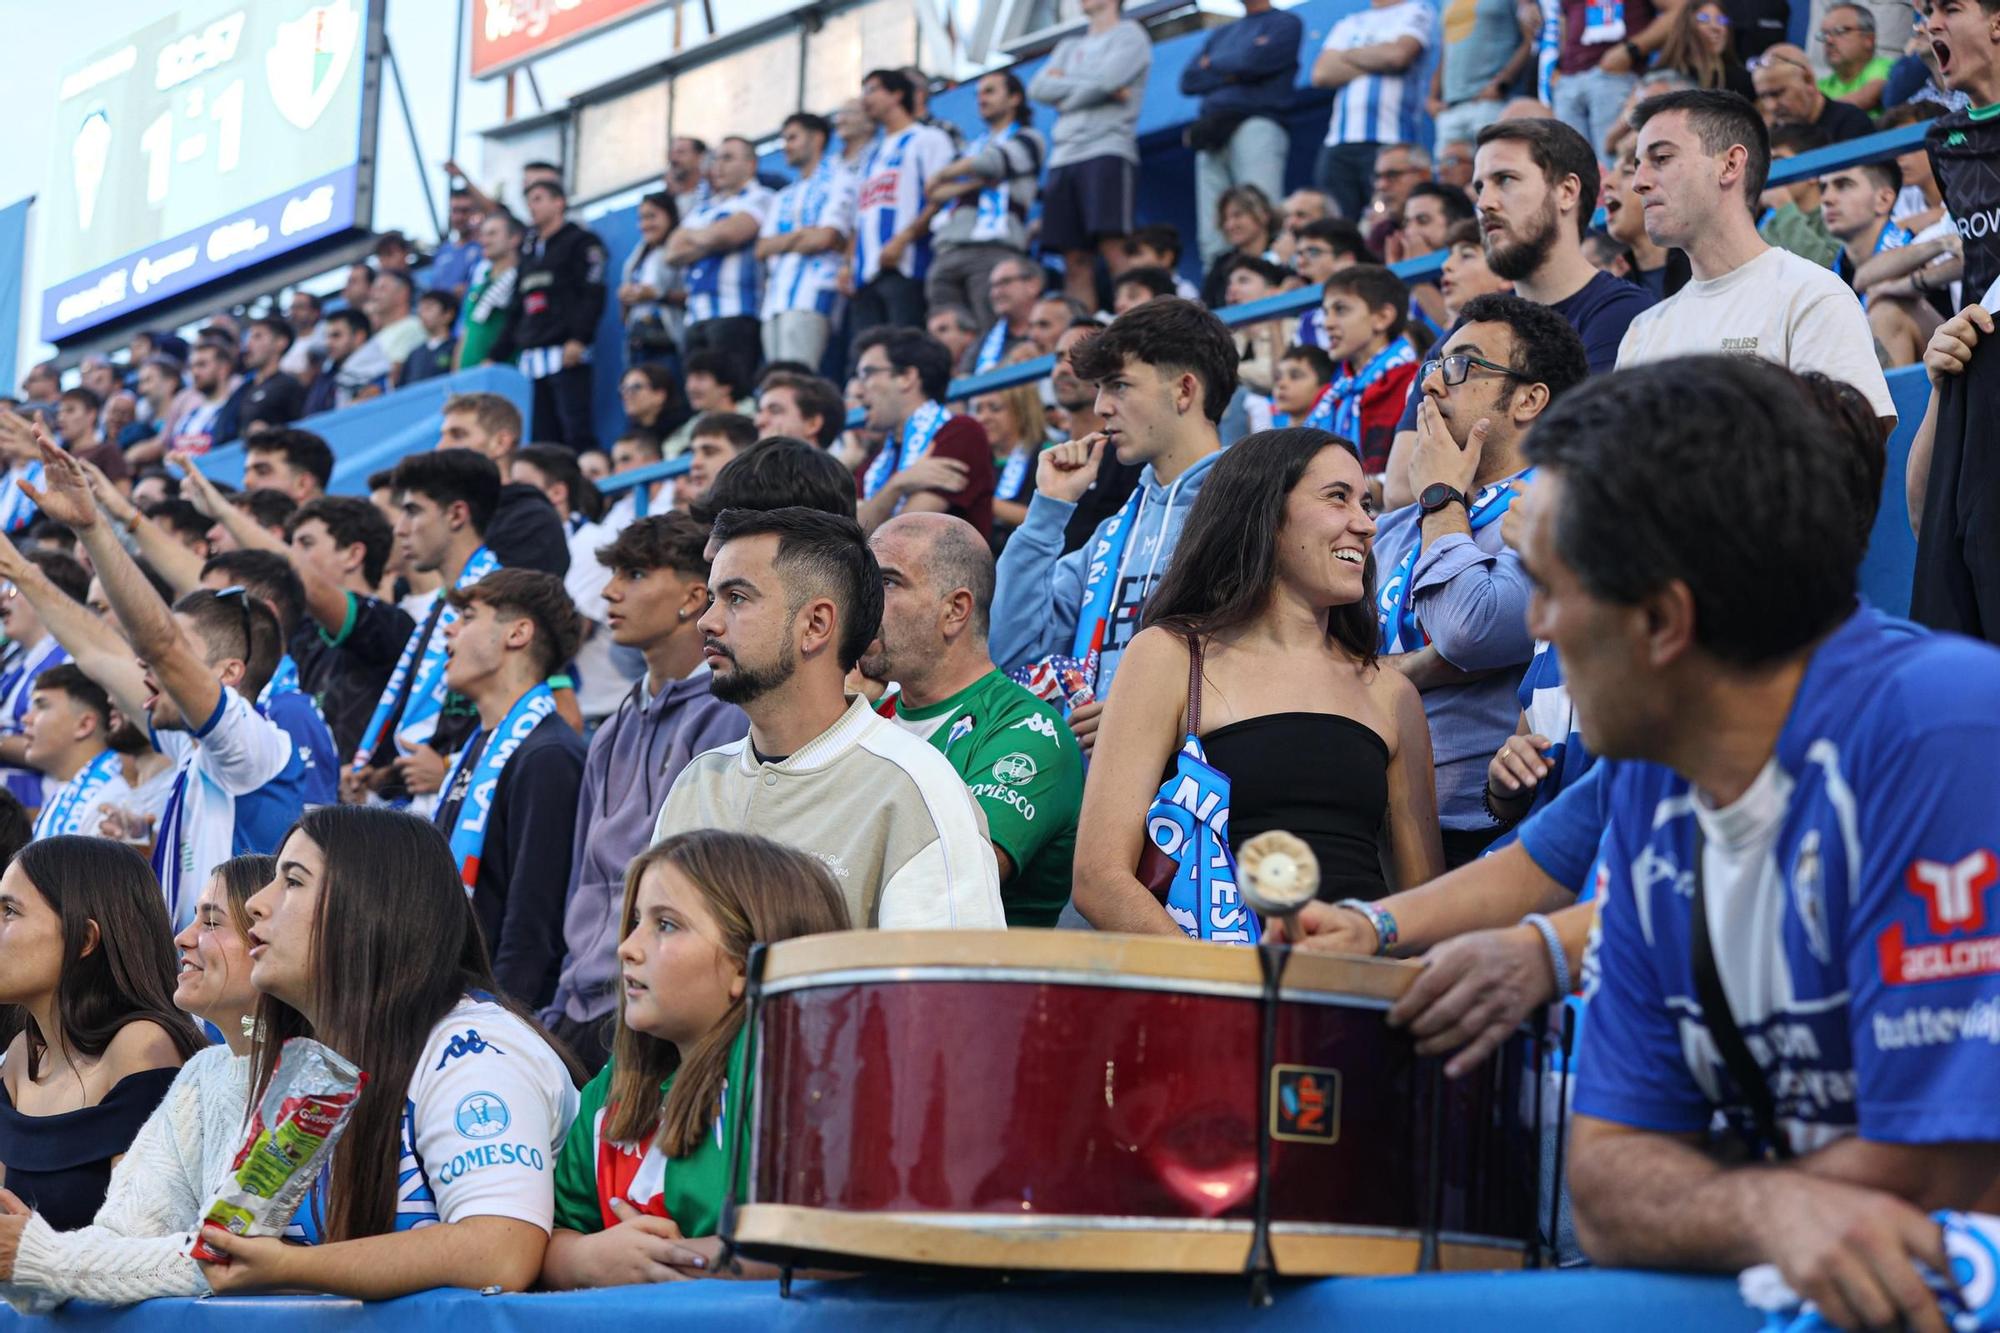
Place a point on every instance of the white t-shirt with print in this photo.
(1777, 306)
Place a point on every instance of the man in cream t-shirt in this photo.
(1703, 159)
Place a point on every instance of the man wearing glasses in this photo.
(1788, 93)
(1859, 74)
(1012, 288)
(1325, 247)
(1452, 600)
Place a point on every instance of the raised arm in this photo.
(156, 637)
(98, 650)
(180, 567)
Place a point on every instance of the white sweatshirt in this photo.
(137, 1246)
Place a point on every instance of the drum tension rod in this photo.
(1271, 960)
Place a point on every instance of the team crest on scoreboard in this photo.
(1305, 1104)
(308, 59)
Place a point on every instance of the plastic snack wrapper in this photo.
(292, 1134)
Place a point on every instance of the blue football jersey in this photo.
(1850, 901)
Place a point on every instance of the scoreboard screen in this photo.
(220, 136)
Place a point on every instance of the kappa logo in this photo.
(1039, 724)
(469, 1043)
(308, 59)
(1015, 769)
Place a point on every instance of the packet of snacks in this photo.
(292, 1134)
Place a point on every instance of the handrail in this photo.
(1855, 152)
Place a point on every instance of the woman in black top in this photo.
(87, 975)
(1701, 45)
(1271, 581)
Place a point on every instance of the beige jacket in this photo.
(884, 810)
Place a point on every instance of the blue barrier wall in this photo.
(1491, 1303)
(1891, 562)
(372, 435)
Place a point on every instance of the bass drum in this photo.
(1076, 1100)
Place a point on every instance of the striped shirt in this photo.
(1381, 108)
(823, 199)
(892, 195)
(720, 286)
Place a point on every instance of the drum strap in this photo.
(1743, 1068)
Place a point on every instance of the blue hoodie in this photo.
(1039, 592)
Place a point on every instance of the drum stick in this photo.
(1279, 875)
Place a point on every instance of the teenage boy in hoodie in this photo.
(658, 590)
(1164, 372)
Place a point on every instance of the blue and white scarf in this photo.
(426, 656)
(1014, 475)
(1321, 416)
(77, 798)
(993, 348)
(17, 511)
(284, 680)
(1395, 613)
(1189, 821)
(911, 442)
(1348, 390)
(475, 807)
(1100, 578)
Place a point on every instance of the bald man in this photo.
(1013, 751)
(1788, 94)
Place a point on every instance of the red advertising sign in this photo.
(506, 33)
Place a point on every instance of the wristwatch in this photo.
(1638, 56)
(1439, 494)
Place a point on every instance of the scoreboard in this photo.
(221, 135)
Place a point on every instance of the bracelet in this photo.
(1378, 917)
(1558, 960)
(561, 683)
(1486, 799)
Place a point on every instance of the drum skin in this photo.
(1014, 1098)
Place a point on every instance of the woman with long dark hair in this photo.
(366, 941)
(1265, 623)
(652, 293)
(92, 1036)
(136, 1247)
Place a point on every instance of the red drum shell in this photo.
(1019, 1090)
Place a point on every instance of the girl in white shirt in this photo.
(366, 941)
(136, 1247)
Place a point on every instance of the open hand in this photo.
(64, 494)
(1474, 992)
(1438, 457)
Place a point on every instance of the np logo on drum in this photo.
(1305, 1104)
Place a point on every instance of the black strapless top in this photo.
(1320, 776)
(60, 1165)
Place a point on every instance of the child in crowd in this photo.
(1365, 308)
(641, 1178)
(1299, 391)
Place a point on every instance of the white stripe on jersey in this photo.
(892, 195)
(1381, 108)
(728, 284)
(823, 199)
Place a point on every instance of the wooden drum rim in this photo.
(1069, 957)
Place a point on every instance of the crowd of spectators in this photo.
(860, 663)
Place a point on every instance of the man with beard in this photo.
(1703, 156)
(796, 598)
(1535, 183)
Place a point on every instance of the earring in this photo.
(681, 614)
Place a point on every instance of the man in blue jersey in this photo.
(1798, 926)
(802, 242)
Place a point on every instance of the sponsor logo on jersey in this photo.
(960, 729)
(1739, 344)
(1954, 898)
(995, 791)
(1015, 769)
(481, 1115)
(1927, 1026)
(468, 1042)
(491, 1154)
(1039, 724)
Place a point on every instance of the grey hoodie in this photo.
(1040, 591)
(1094, 67)
(634, 758)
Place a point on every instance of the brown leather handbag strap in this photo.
(1194, 685)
